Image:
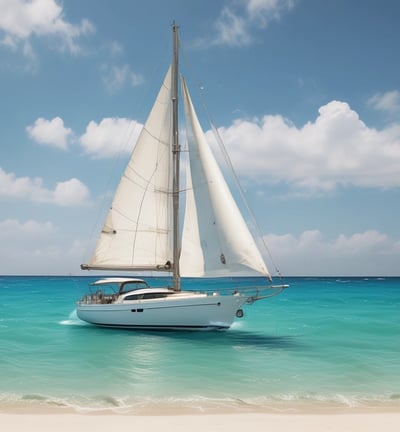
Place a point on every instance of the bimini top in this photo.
(117, 280)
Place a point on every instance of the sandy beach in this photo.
(357, 422)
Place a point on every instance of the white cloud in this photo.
(365, 242)
(22, 19)
(110, 136)
(31, 228)
(231, 29)
(34, 247)
(368, 253)
(50, 132)
(336, 149)
(69, 193)
(387, 102)
(23, 246)
(238, 19)
(116, 77)
(22, 187)
(312, 241)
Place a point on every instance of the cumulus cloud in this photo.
(116, 77)
(69, 193)
(50, 132)
(239, 18)
(367, 253)
(335, 149)
(388, 102)
(104, 139)
(22, 19)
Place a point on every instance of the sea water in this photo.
(330, 340)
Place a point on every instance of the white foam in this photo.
(73, 320)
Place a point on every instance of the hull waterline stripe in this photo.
(161, 327)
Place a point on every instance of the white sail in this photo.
(191, 260)
(137, 233)
(216, 239)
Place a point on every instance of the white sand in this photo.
(375, 422)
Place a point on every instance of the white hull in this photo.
(184, 311)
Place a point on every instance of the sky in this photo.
(305, 95)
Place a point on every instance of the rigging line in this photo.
(229, 162)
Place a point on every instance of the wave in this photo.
(198, 404)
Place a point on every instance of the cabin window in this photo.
(154, 295)
(146, 296)
(134, 297)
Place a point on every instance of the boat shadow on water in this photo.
(221, 338)
(241, 338)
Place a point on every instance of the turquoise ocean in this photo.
(332, 341)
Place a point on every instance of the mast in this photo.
(175, 161)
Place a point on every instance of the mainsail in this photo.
(137, 233)
(216, 239)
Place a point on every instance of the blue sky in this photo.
(305, 93)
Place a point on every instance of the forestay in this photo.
(216, 239)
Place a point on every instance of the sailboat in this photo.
(142, 231)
